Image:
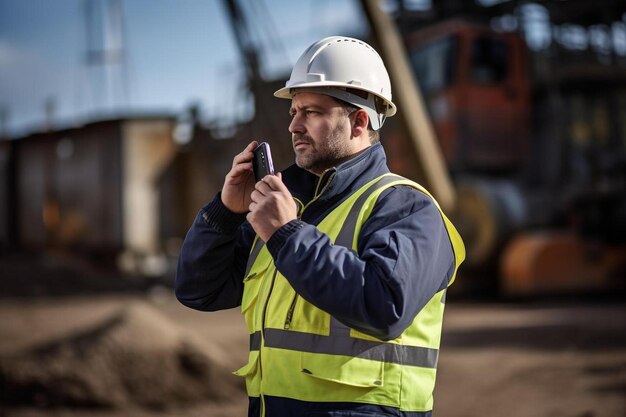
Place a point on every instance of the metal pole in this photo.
(411, 105)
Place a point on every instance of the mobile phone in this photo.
(262, 163)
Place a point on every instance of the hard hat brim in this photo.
(287, 92)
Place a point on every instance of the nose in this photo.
(296, 125)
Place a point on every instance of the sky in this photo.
(177, 52)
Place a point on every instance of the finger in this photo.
(276, 183)
(246, 155)
(241, 168)
(250, 147)
(239, 174)
(256, 196)
(263, 187)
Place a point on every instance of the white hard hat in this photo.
(347, 69)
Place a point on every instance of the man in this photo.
(340, 267)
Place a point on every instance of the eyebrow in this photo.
(306, 107)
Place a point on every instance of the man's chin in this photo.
(305, 164)
(302, 163)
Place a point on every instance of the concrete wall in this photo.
(147, 148)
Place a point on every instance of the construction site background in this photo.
(512, 113)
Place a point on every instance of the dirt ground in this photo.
(77, 341)
(552, 359)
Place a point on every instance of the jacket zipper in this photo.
(317, 194)
(290, 312)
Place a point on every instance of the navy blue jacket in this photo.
(404, 252)
(404, 257)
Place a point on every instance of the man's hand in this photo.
(239, 182)
(272, 206)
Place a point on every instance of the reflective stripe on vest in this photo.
(347, 346)
(346, 235)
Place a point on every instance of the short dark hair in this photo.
(374, 135)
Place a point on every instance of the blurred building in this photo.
(124, 190)
(90, 189)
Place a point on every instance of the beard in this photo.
(320, 156)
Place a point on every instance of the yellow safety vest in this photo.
(301, 352)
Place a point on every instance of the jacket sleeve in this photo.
(213, 258)
(404, 257)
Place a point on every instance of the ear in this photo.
(361, 120)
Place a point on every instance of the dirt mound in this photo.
(136, 357)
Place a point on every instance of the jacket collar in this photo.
(344, 178)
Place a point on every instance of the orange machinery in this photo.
(476, 88)
(510, 147)
(543, 233)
